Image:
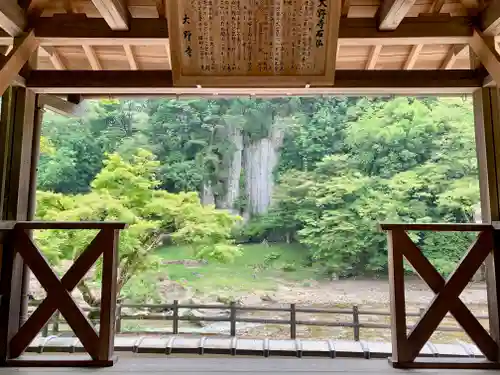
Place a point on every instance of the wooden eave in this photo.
(97, 47)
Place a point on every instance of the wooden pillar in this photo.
(19, 134)
(487, 127)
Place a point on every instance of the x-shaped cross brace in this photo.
(447, 294)
(58, 294)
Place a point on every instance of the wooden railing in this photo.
(16, 240)
(406, 347)
(56, 325)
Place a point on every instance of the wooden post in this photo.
(232, 318)
(175, 321)
(18, 154)
(398, 308)
(487, 127)
(293, 321)
(355, 322)
(108, 295)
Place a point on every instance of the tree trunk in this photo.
(87, 295)
(208, 194)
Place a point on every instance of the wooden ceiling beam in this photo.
(130, 57)
(454, 53)
(436, 6)
(77, 29)
(54, 57)
(372, 59)
(437, 29)
(14, 62)
(92, 57)
(490, 19)
(12, 17)
(115, 12)
(485, 49)
(347, 82)
(74, 30)
(392, 12)
(61, 106)
(413, 56)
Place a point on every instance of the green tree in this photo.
(125, 190)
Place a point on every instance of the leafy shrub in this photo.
(289, 267)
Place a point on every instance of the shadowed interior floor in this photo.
(154, 364)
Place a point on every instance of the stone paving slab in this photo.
(171, 344)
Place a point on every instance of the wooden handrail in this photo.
(68, 225)
(356, 324)
(17, 241)
(439, 227)
(406, 347)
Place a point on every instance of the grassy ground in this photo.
(247, 272)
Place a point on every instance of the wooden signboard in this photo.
(258, 43)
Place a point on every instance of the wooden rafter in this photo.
(115, 12)
(92, 57)
(345, 7)
(12, 17)
(490, 19)
(150, 82)
(167, 51)
(392, 12)
(436, 6)
(454, 53)
(61, 106)
(373, 57)
(413, 56)
(130, 57)
(13, 63)
(161, 8)
(54, 57)
(484, 48)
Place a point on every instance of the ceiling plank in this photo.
(130, 57)
(372, 59)
(490, 19)
(484, 49)
(392, 12)
(61, 106)
(54, 57)
(413, 56)
(12, 17)
(92, 57)
(14, 62)
(115, 12)
(347, 82)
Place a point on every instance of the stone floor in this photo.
(132, 364)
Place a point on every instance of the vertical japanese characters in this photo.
(254, 37)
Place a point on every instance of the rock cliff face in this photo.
(260, 159)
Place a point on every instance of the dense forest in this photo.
(319, 171)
